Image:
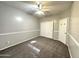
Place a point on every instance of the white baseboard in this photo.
(69, 51)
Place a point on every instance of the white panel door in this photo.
(49, 29)
(46, 28)
(62, 30)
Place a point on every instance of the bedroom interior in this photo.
(39, 29)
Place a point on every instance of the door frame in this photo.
(67, 28)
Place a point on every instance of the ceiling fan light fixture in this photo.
(39, 13)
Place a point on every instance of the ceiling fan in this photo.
(39, 12)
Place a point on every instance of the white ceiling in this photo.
(48, 7)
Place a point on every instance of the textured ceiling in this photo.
(48, 7)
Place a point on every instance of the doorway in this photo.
(46, 27)
(62, 30)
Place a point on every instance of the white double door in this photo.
(46, 28)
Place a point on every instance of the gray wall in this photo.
(72, 29)
(73, 35)
(16, 26)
